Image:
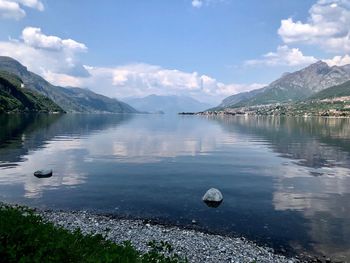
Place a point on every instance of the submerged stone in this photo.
(43, 173)
(213, 197)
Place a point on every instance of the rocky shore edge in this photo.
(197, 246)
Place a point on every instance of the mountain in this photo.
(167, 104)
(15, 97)
(93, 102)
(346, 68)
(338, 91)
(243, 96)
(298, 85)
(69, 99)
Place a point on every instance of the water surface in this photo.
(285, 181)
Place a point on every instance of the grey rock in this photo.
(43, 173)
(213, 197)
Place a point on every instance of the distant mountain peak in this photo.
(319, 63)
(167, 103)
(285, 74)
(319, 67)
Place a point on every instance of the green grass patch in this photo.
(26, 237)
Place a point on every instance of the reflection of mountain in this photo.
(316, 142)
(20, 133)
(322, 148)
(157, 137)
(31, 142)
(27, 132)
(160, 166)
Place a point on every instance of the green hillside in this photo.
(276, 95)
(16, 98)
(333, 92)
(69, 99)
(294, 87)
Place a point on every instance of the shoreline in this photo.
(227, 113)
(196, 245)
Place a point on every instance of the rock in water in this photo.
(43, 173)
(213, 197)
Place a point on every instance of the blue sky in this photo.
(207, 49)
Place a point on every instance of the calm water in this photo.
(285, 181)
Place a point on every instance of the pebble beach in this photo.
(195, 245)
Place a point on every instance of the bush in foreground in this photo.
(25, 237)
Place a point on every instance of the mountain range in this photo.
(69, 99)
(167, 104)
(22, 90)
(292, 87)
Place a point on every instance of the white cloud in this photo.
(284, 56)
(57, 60)
(36, 4)
(338, 60)
(200, 3)
(143, 79)
(13, 9)
(46, 55)
(197, 3)
(32, 36)
(327, 26)
(62, 79)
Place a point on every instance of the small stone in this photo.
(43, 173)
(213, 197)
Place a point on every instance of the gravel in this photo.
(195, 245)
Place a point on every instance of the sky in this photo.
(206, 49)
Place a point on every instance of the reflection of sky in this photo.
(58, 155)
(308, 162)
(132, 143)
(314, 177)
(325, 202)
(144, 145)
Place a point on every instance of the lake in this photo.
(285, 181)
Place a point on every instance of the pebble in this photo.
(197, 246)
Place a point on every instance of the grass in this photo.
(26, 237)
